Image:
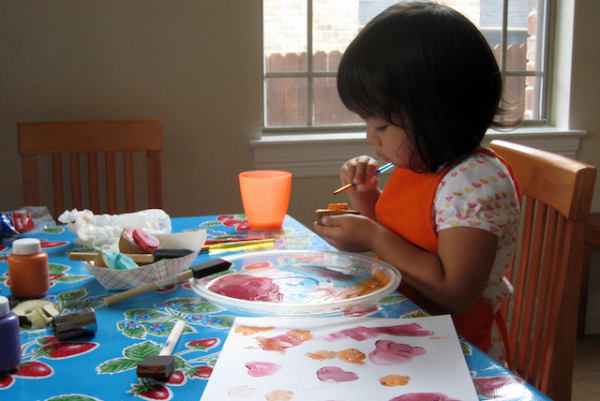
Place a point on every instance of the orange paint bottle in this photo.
(28, 272)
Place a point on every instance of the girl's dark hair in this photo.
(428, 63)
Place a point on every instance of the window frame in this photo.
(321, 150)
(310, 75)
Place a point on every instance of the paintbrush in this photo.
(162, 365)
(346, 187)
(233, 246)
(139, 258)
(197, 271)
(229, 239)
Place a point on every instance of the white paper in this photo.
(428, 361)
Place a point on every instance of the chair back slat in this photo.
(75, 180)
(93, 182)
(153, 168)
(111, 182)
(57, 182)
(519, 290)
(128, 180)
(557, 193)
(543, 303)
(113, 140)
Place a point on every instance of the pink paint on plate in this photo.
(391, 353)
(249, 288)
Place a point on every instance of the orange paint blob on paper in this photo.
(349, 355)
(250, 330)
(280, 343)
(279, 395)
(322, 355)
(394, 380)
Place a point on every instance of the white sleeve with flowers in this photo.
(479, 193)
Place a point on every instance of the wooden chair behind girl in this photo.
(542, 318)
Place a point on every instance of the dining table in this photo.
(102, 366)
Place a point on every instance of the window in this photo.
(304, 41)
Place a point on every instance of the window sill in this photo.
(321, 155)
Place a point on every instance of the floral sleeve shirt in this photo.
(479, 193)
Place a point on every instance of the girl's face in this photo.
(391, 142)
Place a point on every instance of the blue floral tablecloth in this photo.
(104, 367)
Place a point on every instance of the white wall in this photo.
(584, 113)
(195, 64)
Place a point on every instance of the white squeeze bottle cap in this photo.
(26, 246)
(4, 306)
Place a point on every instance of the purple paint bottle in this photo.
(10, 339)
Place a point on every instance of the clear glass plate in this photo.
(298, 282)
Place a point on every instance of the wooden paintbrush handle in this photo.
(139, 258)
(134, 292)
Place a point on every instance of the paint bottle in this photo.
(28, 272)
(10, 339)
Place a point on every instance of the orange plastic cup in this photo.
(266, 196)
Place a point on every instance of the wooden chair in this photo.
(93, 138)
(546, 274)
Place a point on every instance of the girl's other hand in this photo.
(352, 233)
(361, 172)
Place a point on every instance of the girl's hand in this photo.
(361, 172)
(351, 233)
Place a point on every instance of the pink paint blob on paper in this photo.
(249, 288)
(390, 353)
(335, 374)
(280, 343)
(261, 369)
(424, 397)
(361, 333)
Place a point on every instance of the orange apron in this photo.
(405, 207)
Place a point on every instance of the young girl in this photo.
(428, 86)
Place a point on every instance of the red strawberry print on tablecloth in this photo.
(151, 391)
(177, 378)
(6, 382)
(33, 370)
(203, 344)
(232, 221)
(61, 350)
(496, 386)
(52, 244)
(202, 372)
